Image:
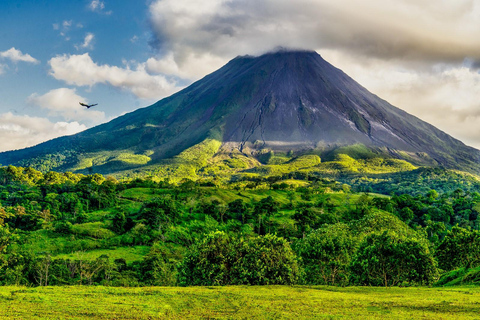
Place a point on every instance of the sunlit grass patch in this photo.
(238, 302)
(130, 254)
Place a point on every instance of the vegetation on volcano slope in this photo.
(87, 229)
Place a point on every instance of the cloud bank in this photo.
(81, 70)
(64, 102)
(443, 31)
(19, 132)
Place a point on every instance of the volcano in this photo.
(282, 101)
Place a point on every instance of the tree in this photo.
(53, 178)
(432, 195)
(238, 210)
(363, 206)
(326, 254)
(43, 270)
(406, 214)
(307, 217)
(389, 259)
(20, 268)
(222, 260)
(157, 269)
(5, 234)
(459, 248)
(207, 263)
(119, 222)
(264, 209)
(159, 212)
(264, 260)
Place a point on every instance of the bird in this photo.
(88, 106)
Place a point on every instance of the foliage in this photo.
(222, 260)
(459, 248)
(66, 228)
(391, 259)
(326, 254)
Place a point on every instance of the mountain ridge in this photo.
(280, 101)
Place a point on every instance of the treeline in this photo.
(269, 233)
(415, 182)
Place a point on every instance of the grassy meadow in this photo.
(239, 302)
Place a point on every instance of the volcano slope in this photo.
(286, 101)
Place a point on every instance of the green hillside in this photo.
(295, 218)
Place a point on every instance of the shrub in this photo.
(222, 260)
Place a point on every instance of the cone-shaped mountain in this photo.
(287, 100)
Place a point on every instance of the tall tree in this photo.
(389, 259)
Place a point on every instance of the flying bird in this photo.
(88, 106)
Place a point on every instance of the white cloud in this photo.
(64, 102)
(16, 56)
(65, 27)
(87, 42)
(98, 6)
(19, 132)
(134, 39)
(190, 66)
(80, 70)
(67, 24)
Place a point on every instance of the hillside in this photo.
(287, 102)
(69, 229)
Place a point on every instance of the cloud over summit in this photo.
(445, 31)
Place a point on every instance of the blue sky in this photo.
(422, 56)
(35, 32)
(45, 29)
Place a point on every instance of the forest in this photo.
(75, 229)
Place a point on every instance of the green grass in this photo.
(130, 254)
(356, 151)
(126, 157)
(138, 194)
(306, 161)
(238, 302)
(343, 163)
(200, 153)
(97, 230)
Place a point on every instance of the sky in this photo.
(421, 56)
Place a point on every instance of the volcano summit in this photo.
(286, 101)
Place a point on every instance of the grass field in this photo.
(243, 302)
